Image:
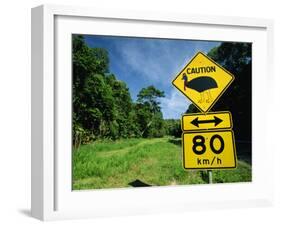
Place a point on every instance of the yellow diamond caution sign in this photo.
(209, 150)
(203, 81)
(211, 120)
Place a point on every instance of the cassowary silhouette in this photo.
(202, 85)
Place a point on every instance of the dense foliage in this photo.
(102, 105)
(237, 59)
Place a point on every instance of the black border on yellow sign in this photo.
(209, 113)
(210, 168)
(221, 91)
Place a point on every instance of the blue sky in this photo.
(141, 62)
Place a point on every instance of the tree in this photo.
(237, 58)
(123, 106)
(192, 109)
(148, 110)
(233, 56)
(173, 127)
(92, 98)
(150, 96)
(102, 104)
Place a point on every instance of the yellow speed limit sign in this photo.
(208, 141)
(209, 150)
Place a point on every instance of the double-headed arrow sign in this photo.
(210, 121)
(197, 122)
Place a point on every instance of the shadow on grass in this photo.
(139, 183)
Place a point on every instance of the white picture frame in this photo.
(52, 197)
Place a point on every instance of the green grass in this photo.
(158, 161)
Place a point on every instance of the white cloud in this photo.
(158, 62)
(174, 105)
(155, 61)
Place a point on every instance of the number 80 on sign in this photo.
(209, 150)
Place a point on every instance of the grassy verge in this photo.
(155, 162)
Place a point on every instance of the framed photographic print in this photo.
(138, 113)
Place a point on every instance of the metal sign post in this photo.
(210, 176)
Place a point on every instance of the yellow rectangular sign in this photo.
(209, 150)
(210, 121)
